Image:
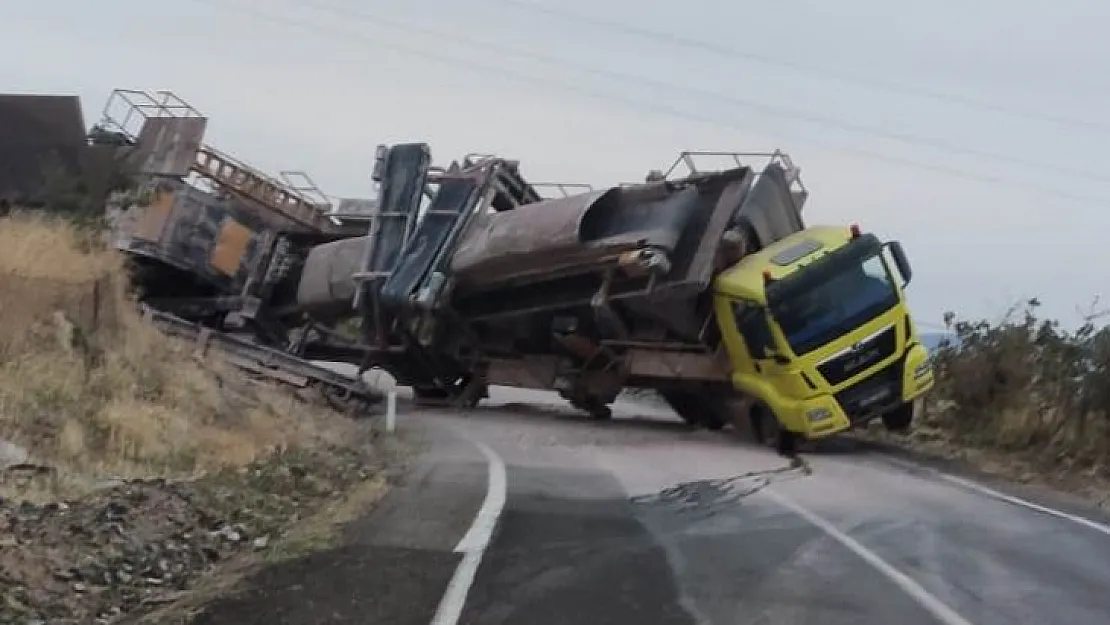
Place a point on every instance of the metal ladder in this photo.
(126, 112)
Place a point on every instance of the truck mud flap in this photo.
(427, 244)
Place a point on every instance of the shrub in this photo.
(1026, 384)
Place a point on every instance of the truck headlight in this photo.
(921, 370)
(818, 414)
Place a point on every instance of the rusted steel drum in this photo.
(327, 285)
(563, 233)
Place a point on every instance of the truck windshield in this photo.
(851, 296)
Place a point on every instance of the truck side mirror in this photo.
(901, 260)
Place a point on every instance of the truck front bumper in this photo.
(903, 381)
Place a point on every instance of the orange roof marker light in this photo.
(854, 229)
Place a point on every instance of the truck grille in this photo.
(873, 395)
(866, 354)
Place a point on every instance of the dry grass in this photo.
(1027, 388)
(111, 396)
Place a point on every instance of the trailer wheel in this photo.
(430, 395)
(695, 410)
(683, 405)
(601, 413)
(899, 419)
(710, 420)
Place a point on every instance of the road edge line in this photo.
(1001, 496)
(940, 610)
(474, 543)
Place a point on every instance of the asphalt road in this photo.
(526, 513)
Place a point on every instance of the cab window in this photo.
(751, 321)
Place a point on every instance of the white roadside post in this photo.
(391, 411)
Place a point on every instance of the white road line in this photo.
(473, 545)
(934, 606)
(990, 492)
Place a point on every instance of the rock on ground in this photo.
(141, 544)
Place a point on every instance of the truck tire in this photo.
(430, 396)
(712, 419)
(601, 413)
(695, 410)
(899, 419)
(765, 426)
(683, 405)
(768, 431)
(598, 410)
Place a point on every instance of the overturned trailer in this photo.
(215, 243)
(210, 235)
(583, 294)
(707, 287)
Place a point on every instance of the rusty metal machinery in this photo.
(453, 277)
(168, 133)
(211, 235)
(483, 280)
(211, 238)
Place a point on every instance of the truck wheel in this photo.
(899, 419)
(711, 421)
(768, 431)
(683, 405)
(601, 412)
(472, 394)
(695, 410)
(430, 396)
(765, 426)
(715, 411)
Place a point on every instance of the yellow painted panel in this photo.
(230, 247)
(154, 216)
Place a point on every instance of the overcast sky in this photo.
(1002, 198)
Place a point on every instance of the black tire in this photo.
(430, 395)
(601, 413)
(768, 431)
(899, 419)
(712, 421)
(695, 410)
(765, 426)
(472, 394)
(683, 405)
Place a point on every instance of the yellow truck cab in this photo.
(819, 335)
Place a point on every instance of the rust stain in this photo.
(230, 247)
(154, 217)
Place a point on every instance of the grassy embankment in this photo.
(133, 467)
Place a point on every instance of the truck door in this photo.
(751, 322)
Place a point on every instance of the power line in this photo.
(822, 72)
(635, 103)
(767, 109)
